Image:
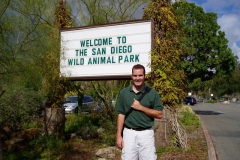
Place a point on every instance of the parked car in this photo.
(71, 104)
(190, 101)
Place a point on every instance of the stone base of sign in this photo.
(162, 132)
(54, 121)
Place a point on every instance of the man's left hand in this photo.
(136, 105)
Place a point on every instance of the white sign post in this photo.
(108, 50)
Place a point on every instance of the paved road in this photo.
(223, 124)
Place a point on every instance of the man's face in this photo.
(138, 77)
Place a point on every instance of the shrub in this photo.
(107, 121)
(88, 131)
(108, 140)
(73, 122)
(211, 101)
(18, 107)
(188, 118)
(46, 147)
(84, 125)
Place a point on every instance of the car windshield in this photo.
(71, 99)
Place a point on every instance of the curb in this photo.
(211, 151)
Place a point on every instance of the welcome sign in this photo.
(106, 51)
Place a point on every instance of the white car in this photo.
(71, 104)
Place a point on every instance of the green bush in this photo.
(46, 147)
(22, 155)
(189, 118)
(107, 120)
(108, 140)
(84, 125)
(73, 122)
(18, 107)
(88, 131)
(211, 101)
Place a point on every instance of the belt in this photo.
(137, 129)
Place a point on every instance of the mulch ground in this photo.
(198, 149)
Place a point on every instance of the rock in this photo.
(226, 102)
(111, 156)
(108, 153)
(14, 141)
(13, 144)
(234, 100)
(73, 135)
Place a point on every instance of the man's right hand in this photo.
(119, 142)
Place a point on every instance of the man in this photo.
(137, 140)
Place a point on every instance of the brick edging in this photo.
(211, 150)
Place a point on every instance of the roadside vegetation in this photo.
(197, 146)
(90, 132)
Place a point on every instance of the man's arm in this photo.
(148, 111)
(120, 124)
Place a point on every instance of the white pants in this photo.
(138, 145)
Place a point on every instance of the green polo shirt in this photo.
(137, 119)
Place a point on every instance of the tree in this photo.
(206, 54)
(227, 85)
(167, 77)
(22, 44)
(196, 86)
(56, 85)
(23, 41)
(3, 57)
(108, 91)
(93, 12)
(27, 46)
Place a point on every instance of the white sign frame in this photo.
(106, 51)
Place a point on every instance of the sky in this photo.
(228, 12)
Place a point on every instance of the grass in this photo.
(189, 119)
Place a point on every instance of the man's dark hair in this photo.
(138, 66)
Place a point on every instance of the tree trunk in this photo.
(54, 121)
